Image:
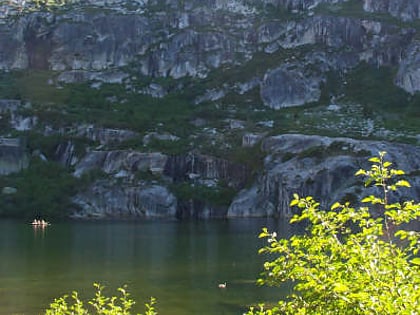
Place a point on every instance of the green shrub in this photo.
(349, 261)
(100, 304)
(44, 189)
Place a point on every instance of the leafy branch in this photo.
(343, 264)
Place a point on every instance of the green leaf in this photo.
(335, 205)
(367, 199)
(397, 172)
(403, 183)
(387, 164)
(360, 172)
(416, 261)
(339, 287)
(374, 160)
(294, 202)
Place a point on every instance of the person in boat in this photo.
(40, 222)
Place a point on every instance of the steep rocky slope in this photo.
(166, 39)
(293, 163)
(318, 166)
(185, 108)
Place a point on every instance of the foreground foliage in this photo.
(349, 261)
(99, 305)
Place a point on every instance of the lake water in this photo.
(178, 263)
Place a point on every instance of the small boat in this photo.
(41, 223)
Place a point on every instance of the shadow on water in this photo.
(179, 263)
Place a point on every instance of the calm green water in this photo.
(179, 263)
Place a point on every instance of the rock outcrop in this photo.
(199, 168)
(125, 194)
(321, 167)
(104, 135)
(121, 163)
(407, 10)
(10, 112)
(408, 76)
(308, 165)
(284, 88)
(13, 156)
(108, 200)
(194, 38)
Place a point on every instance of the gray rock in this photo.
(21, 123)
(105, 200)
(158, 202)
(78, 76)
(13, 156)
(251, 139)
(9, 106)
(194, 166)
(158, 136)
(104, 135)
(248, 204)
(17, 121)
(244, 87)
(321, 167)
(155, 90)
(285, 88)
(191, 38)
(211, 95)
(407, 10)
(408, 76)
(65, 153)
(112, 162)
(97, 42)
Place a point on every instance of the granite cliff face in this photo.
(308, 165)
(167, 39)
(232, 145)
(125, 194)
(318, 166)
(408, 76)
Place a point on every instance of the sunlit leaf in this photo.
(416, 261)
(335, 205)
(360, 172)
(374, 160)
(403, 183)
(294, 202)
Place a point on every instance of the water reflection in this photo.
(179, 263)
